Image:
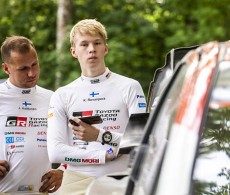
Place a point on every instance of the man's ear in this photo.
(74, 54)
(5, 68)
(106, 49)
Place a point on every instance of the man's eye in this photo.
(22, 69)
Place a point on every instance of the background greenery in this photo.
(140, 33)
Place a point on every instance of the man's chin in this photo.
(30, 84)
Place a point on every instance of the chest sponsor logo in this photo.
(15, 133)
(15, 146)
(17, 121)
(9, 133)
(19, 133)
(42, 146)
(14, 121)
(37, 122)
(106, 115)
(83, 113)
(10, 140)
(19, 139)
(14, 152)
(112, 128)
(41, 133)
(41, 140)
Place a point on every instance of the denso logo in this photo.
(13, 121)
(112, 127)
(41, 133)
(93, 161)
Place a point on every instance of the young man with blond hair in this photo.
(91, 150)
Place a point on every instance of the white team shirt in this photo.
(23, 141)
(114, 98)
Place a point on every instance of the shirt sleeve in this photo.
(59, 148)
(135, 99)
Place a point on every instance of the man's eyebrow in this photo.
(83, 41)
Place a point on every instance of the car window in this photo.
(159, 137)
(212, 167)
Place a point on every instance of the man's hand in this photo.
(111, 154)
(4, 168)
(51, 181)
(84, 131)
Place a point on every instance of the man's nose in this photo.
(91, 48)
(31, 73)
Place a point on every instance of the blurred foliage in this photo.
(215, 142)
(140, 33)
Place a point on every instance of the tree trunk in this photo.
(63, 19)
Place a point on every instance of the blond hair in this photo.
(90, 27)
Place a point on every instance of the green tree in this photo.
(140, 32)
(33, 19)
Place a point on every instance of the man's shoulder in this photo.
(43, 90)
(68, 86)
(124, 80)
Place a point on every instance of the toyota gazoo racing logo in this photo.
(14, 121)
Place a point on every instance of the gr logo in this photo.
(13, 121)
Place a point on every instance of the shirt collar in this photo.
(97, 79)
(18, 90)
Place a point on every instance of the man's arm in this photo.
(59, 149)
(4, 168)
